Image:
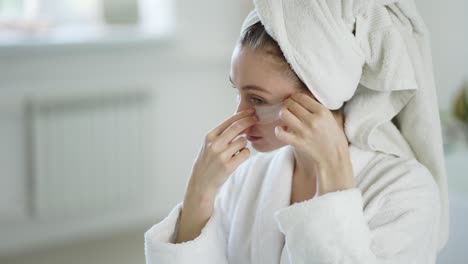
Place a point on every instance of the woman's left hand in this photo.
(318, 140)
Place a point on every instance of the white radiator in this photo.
(87, 154)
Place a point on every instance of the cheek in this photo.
(268, 129)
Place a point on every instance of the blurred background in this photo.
(104, 105)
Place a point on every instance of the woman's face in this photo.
(260, 81)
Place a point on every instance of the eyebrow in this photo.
(252, 87)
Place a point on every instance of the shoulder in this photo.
(391, 179)
(401, 202)
(385, 166)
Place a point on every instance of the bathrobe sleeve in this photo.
(209, 247)
(398, 226)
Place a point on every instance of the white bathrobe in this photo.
(392, 216)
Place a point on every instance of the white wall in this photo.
(448, 26)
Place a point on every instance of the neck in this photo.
(304, 169)
(338, 115)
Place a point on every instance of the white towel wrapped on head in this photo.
(381, 74)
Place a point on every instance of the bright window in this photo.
(37, 15)
(30, 18)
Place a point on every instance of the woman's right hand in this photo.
(217, 160)
(220, 155)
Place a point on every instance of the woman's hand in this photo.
(217, 160)
(319, 141)
(219, 157)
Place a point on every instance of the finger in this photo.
(236, 128)
(235, 147)
(286, 136)
(298, 110)
(242, 156)
(293, 123)
(308, 102)
(220, 129)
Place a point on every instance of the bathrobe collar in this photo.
(267, 239)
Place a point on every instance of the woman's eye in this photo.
(253, 100)
(256, 100)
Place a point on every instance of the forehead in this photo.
(256, 67)
(262, 57)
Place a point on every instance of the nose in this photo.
(242, 105)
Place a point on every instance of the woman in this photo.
(309, 196)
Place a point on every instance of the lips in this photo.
(252, 138)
